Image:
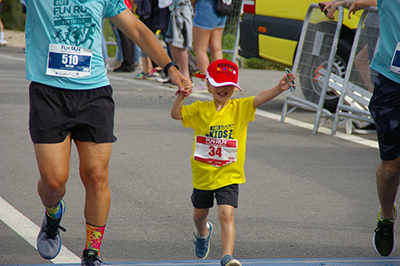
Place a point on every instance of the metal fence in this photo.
(314, 58)
(358, 82)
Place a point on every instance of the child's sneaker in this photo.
(200, 88)
(90, 258)
(203, 244)
(228, 260)
(383, 240)
(49, 240)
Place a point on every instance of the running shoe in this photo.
(49, 240)
(162, 78)
(139, 76)
(203, 244)
(151, 76)
(170, 84)
(228, 260)
(383, 240)
(200, 88)
(90, 258)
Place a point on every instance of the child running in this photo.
(220, 132)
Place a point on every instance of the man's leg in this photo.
(53, 163)
(94, 166)
(387, 179)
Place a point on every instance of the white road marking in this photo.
(28, 230)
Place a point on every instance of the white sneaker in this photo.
(3, 42)
(162, 78)
(200, 88)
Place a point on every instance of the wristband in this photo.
(167, 66)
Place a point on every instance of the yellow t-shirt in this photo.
(229, 123)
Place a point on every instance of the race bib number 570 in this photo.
(214, 151)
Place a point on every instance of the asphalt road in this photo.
(306, 196)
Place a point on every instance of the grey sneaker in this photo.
(228, 260)
(203, 245)
(49, 240)
(90, 258)
(383, 240)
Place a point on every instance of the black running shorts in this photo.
(87, 114)
(385, 110)
(228, 195)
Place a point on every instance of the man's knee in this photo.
(52, 185)
(96, 176)
(391, 169)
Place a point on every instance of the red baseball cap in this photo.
(223, 72)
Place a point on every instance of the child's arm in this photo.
(176, 111)
(269, 94)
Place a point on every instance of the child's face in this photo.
(221, 94)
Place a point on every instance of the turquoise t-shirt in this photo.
(74, 59)
(388, 39)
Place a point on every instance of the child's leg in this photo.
(228, 233)
(200, 217)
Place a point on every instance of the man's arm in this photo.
(147, 41)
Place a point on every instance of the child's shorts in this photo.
(205, 16)
(87, 114)
(228, 195)
(385, 110)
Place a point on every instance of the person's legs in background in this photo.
(118, 54)
(128, 51)
(3, 42)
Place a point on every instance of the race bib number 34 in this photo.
(216, 152)
(69, 61)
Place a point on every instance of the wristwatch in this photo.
(167, 66)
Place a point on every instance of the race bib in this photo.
(395, 64)
(214, 151)
(69, 61)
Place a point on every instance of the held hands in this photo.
(184, 84)
(186, 89)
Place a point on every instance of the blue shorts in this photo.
(228, 195)
(385, 110)
(205, 16)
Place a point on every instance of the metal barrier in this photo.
(317, 47)
(230, 37)
(358, 82)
